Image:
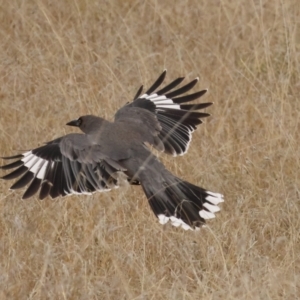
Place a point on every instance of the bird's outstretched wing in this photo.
(67, 165)
(177, 120)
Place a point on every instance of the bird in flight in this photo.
(108, 152)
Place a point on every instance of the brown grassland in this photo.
(63, 59)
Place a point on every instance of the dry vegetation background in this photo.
(60, 60)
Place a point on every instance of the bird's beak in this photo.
(75, 123)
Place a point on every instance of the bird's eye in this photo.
(79, 121)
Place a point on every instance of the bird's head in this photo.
(87, 124)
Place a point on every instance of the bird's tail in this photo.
(180, 202)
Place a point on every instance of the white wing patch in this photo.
(161, 101)
(35, 164)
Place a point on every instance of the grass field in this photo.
(60, 60)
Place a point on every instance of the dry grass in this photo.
(60, 60)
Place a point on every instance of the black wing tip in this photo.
(138, 93)
(195, 80)
(205, 105)
(12, 157)
(162, 76)
(205, 115)
(12, 165)
(196, 106)
(33, 188)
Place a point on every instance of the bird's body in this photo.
(92, 161)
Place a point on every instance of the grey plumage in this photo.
(92, 161)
